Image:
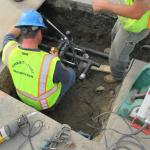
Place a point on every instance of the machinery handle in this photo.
(139, 127)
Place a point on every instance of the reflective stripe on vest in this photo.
(122, 2)
(44, 96)
(44, 72)
(8, 50)
(44, 104)
(147, 9)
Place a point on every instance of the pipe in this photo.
(45, 46)
(83, 59)
(51, 39)
(83, 75)
(54, 26)
(66, 61)
(92, 51)
(68, 33)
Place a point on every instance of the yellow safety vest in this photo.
(32, 73)
(133, 25)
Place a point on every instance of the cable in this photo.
(90, 107)
(126, 142)
(123, 147)
(142, 147)
(114, 129)
(130, 137)
(29, 135)
(84, 101)
(145, 46)
(87, 119)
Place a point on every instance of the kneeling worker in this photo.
(39, 77)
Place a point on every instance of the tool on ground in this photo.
(70, 144)
(60, 136)
(9, 130)
(137, 95)
(133, 106)
(70, 53)
(144, 114)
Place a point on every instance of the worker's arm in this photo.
(14, 31)
(11, 35)
(135, 11)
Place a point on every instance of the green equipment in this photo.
(135, 96)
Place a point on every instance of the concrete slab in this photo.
(11, 109)
(11, 11)
(115, 122)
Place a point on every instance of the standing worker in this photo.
(39, 77)
(132, 26)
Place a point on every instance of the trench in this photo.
(82, 102)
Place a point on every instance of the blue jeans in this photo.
(65, 87)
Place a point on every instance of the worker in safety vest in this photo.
(39, 77)
(132, 26)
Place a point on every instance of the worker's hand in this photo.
(98, 5)
(55, 54)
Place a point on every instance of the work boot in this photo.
(107, 50)
(109, 79)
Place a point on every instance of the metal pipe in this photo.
(45, 46)
(68, 33)
(78, 49)
(54, 26)
(83, 75)
(83, 59)
(92, 51)
(66, 61)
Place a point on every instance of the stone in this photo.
(100, 88)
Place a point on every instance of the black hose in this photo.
(45, 46)
(92, 51)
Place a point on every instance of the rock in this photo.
(111, 92)
(100, 88)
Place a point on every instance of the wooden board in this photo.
(102, 68)
(10, 12)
